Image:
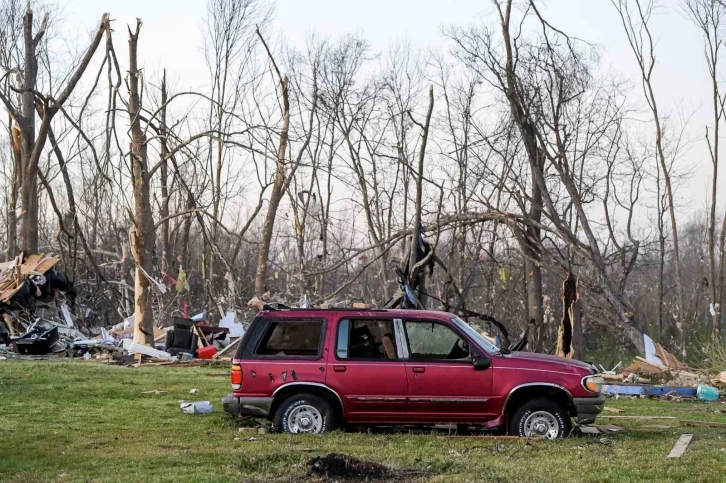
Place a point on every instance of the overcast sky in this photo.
(172, 38)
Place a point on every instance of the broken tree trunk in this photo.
(277, 187)
(142, 231)
(417, 277)
(569, 337)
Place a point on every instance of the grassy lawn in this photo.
(83, 421)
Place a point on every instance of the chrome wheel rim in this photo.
(541, 424)
(305, 419)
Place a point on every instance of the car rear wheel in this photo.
(542, 418)
(305, 414)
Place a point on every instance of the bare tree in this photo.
(637, 30)
(709, 16)
(32, 143)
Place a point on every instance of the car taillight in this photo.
(236, 377)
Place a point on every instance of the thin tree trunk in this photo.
(419, 274)
(278, 185)
(164, 211)
(17, 171)
(532, 264)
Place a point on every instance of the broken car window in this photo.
(366, 339)
(291, 338)
(434, 341)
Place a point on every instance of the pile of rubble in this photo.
(37, 322)
(661, 374)
(34, 304)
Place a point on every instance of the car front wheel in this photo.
(305, 414)
(542, 418)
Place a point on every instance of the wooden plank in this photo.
(202, 340)
(30, 263)
(687, 422)
(601, 416)
(227, 349)
(47, 264)
(681, 446)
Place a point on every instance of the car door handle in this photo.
(419, 370)
(339, 368)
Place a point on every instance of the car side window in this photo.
(370, 339)
(292, 338)
(433, 341)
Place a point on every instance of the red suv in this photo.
(312, 370)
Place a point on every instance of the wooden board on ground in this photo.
(680, 446)
(601, 416)
(687, 422)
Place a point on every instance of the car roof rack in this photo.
(275, 306)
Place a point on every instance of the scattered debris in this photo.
(198, 407)
(720, 379)
(155, 392)
(681, 446)
(194, 391)
(340, 466)
(597, 429)
(227, 349)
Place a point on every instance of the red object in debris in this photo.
(206, 352)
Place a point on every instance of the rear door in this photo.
(282, 351)
(367, 371)
(442, 383)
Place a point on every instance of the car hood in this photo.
(549, 360)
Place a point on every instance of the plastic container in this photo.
(705, 392)
(197, 407)
(206, 352)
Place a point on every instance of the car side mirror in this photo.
(481, 362)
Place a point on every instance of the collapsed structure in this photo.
(34, 305)
(36, 319)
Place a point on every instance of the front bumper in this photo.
(588, 408)
(247, 406)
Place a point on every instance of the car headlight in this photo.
(593, 383)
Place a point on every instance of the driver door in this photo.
(442, 383)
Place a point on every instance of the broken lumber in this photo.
(666, 368)
(635, 417)
(680, 446)
(688, 422)
(227, 349)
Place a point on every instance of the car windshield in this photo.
(481, 341)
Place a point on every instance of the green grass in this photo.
(83, 421)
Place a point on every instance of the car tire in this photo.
(304, 414)
(540, 417)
